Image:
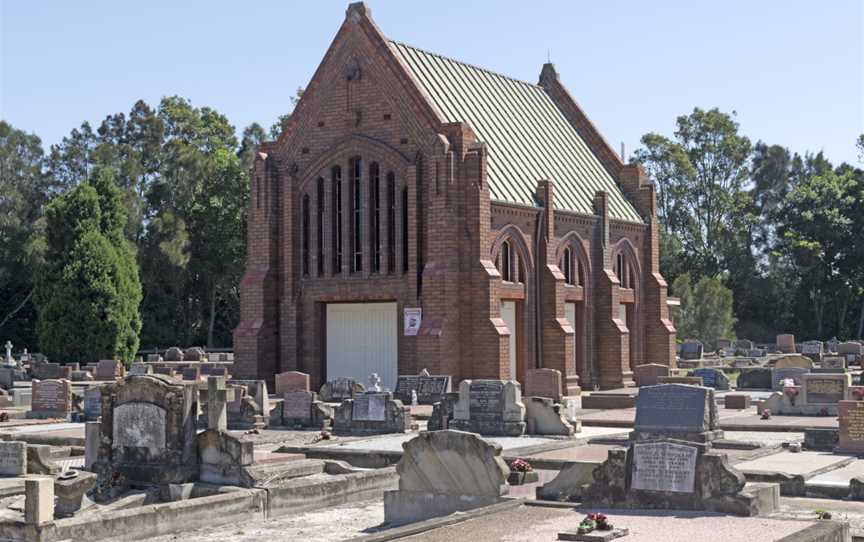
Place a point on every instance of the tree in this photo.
(706, 310)
(88, 291)
(24, 190)
(700, 176)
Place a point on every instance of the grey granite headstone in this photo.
(712, 378)
(691, 350)
(297, 406)
(92, 403)
(13, 458)
(673, 406)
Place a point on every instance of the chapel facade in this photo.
(422, 213)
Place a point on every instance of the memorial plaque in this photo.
(851, 437)
(139, 425)
(795, 373)
(92, 403)
(543, 383)
(13, 458)
(369, 407)
(664, 466)
(404, 385)
(297, 405)
(823, 390)
(673, 407)
(51, 396)
(486, 400)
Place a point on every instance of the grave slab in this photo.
(839, 477)
(802, 463)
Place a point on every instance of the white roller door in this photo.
(508, 314)
(361, 340)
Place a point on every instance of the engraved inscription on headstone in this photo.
(369, 407)
(851, 437)
(824, 390)
(486, 400)
(664, 466)
(672, 407)
(297, 405)
(139, 425)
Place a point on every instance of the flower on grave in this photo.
(520, 465)
(766, 414)
(586, 526)
(791, 392)
(858, 393)
(325, 435)
(601, 521)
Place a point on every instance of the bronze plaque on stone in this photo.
(823, 390)
(664, 466)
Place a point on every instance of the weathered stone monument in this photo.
(372, 413)
(148, 431)
(851, 436)
(691, 349)
(813, 350)
(175, 353)
(443, 472)
(756, 378)
(50, 399)
(490, 407)
(336, 391)
(794, 360)
(251, 408)
(545, 417)
(13, 458)
(649, 373)
(109, 369)
(786, 344)
(429, 388)
(712, 378)
(852, 351)
(669, 463)
(195, 353)
(291, 381)
(816, 395)
(780, 376)
(543, 383)
(92, 403)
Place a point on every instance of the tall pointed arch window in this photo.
(305, 234)
(336, 179)
(375, 216)
(319, 224)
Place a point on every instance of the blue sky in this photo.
(793, 71)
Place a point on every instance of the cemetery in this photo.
(431, 303)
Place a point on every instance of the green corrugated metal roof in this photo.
(527, 136)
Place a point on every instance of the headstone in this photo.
(490, 407)
(50, 399)
(218, 396)
(544, 417)
(225, 459)
(794, 360)
(786, 344)
(691, 350)
(825, 389)
(254, 406)
(174, 354)
(675, 410)
(737, 401)
(38, 500)
(831, 346)
(140, 369)
(154, 358)
(543, 383)
(724, 344)
(10, 361)
(196, 353)
(648, 374)
(712, 378)
(442, 472)
(291, 381)
(755, 378)
(688, 380)
(92, 403)
(852, 351)
(192, 373)
(81, 376)
(148, 430)
(755, 353)
(795, 373)
(851, 438)
(429, 389)
(813, 350)
(109, 369)
(834, 362)
(336, 391)
(71, 489)
(46, 371)
(297, 407)
(743, 345)
(664, 466)
(372, 413)
(91, 444)
(13, 458)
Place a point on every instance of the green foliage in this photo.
(88, 291)
(706, 310)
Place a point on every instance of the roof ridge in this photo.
(474, 66)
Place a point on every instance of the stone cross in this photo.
(218, 395)
(9, 360)
(374, 381)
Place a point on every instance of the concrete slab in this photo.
(765, 438)
(393, 443)
(802, 463)
(839, 477)
(542, 524)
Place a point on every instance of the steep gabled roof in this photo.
(527, 136)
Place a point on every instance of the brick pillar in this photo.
(612, 337)
(557, 335)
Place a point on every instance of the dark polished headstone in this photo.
(712, 378)
(755, 379)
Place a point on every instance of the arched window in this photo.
(319, 226)
(375, 216)
(357, 218)
(391, 223)
(305, 233)
(624, 271)
(567, 265)
(405, 230)
(505, 262)
(336, 178)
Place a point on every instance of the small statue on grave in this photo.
(374, 383)
(413, 397)
(10, 361)
(424, 372)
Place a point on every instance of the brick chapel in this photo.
(420, 212)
